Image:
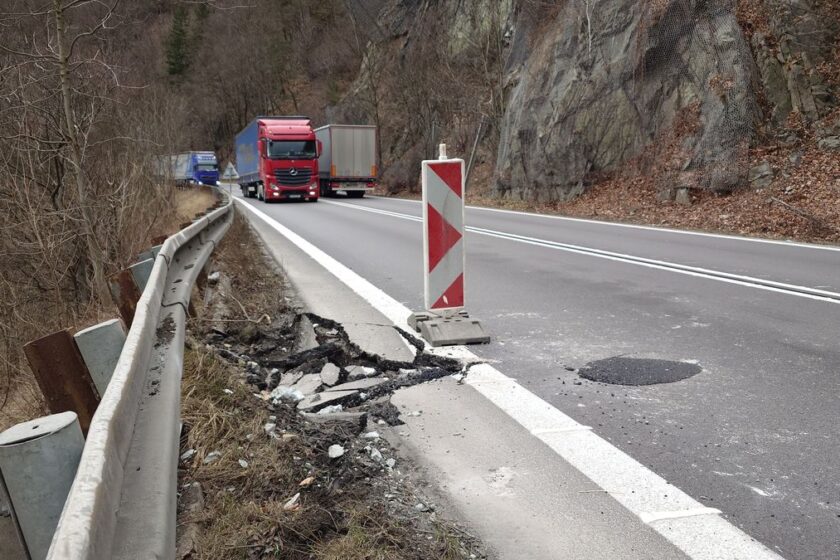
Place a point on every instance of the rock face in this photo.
(679, 89)
(789, 46)
(591, 90)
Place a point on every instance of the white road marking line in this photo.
(637, 226)
(636, 487)
(719, 276)
(659, 516)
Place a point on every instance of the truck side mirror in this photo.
(319, 147)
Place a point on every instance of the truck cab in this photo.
(205, 168)
(278, 159)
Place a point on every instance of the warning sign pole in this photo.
(445, 321)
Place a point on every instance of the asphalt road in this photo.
(755, 433)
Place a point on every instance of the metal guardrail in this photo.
(122, 503)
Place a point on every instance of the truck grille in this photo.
(294, 177)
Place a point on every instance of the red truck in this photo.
(277, 159)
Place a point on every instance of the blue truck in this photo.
(189, 167)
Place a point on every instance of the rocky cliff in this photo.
(562, 93)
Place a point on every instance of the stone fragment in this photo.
(360, 372)
(308, 384)
(335, 451)
(330, 374)
(359, 384)
(293, 503)
(307, 339)
(319, 400)
(761, 176)
(683, 197)
(284, 393)
(212, 457)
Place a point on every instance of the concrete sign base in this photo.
(442, 330)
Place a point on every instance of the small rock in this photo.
(269, 428)
(761, 176)
(334, 409)
(371, 435)
(375, 454)
(421, 507)
(683, 197)
(188, 454)
(214, 277)
(227, 391)
(360, 372)
(382, 422)
(307, 482)
(288, 437)
(390, 462)
(330, 374)
(458, 377)
(293, 503)
(284, 393)
(212, 457)
(243, 463)
(335, 451)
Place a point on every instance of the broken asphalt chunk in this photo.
(319, 400)
(330, 374)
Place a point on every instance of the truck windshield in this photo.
(206, 167)
(291, 149)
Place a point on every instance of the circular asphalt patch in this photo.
(637, 371)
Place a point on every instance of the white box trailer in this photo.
(348, 159)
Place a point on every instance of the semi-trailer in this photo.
(277, 159)
(189, 167)
(348, 159)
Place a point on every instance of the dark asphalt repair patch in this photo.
(638, 371)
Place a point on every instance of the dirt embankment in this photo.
(281, 458)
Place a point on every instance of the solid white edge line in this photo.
(718, 276)
(782, 242)
(636, 487)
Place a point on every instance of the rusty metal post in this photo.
(126, 294)
(62, 375)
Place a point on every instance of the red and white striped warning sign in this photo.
(443, 233)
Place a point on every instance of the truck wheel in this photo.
(355, 194)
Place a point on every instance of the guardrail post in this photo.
(150, 253)
(62, 375)
(141, 271)
(125, 293)
(101, 346)
(38, 462)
